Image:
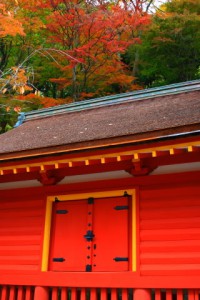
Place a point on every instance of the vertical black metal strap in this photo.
(88, 268)
(126, 194)
(90, 200)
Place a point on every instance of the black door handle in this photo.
(89, 235)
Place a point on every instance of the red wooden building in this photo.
(100, 200)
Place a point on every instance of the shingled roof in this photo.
(141, 115)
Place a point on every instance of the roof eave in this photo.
(168, 135)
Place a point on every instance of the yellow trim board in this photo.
(82, 196)
(47, 232)
(134, 234)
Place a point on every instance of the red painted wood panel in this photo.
(54, 293)
(93, 294)
(157, 294)
(113, 294)
(111, 234)
(180, 295)
(90, 235)
(191, 295)
(21, 234)
(64, 294)
(103, 294)
(170, 231)
(4, 293)
(20, 295)
(196, 295)
(12, 293)
(83, 294)
(124, 294)
(169, 295)
(68, 242)
(73, 294)
(28, 293)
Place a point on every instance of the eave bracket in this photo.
(49, 178)
(139, 170)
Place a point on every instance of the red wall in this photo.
(21, 233)
(170, 231)
(168, 234)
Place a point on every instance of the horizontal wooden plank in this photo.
(165, 244)
(169, 273)
(20, 252)
(178, 212)
(21, 230)
(170, 235)
(21, 204)
(109, 280)
(171, 223)
(186, 191)
(21, 213)
(175, 249)
(21, 234)
(165, 261)
(170, 231)
(171, 267)
(19, 262)
(166, 255)
(169, 202)
(19, 267)
(16, 242)
(19, 238)
(190, 246)
(16, 257)
(19, 222)
(19, 247)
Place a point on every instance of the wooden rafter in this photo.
(132, 156)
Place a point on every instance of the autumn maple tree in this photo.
(8, 24)
(95, 34)
(83, 41)
(59, 51)
(9, 27)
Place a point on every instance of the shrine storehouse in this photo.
(100, 200)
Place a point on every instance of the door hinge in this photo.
(61, 211)
(121, 207)
(58, 259)
(117, 259)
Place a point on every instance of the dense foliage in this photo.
(57, 51)
(170, 49)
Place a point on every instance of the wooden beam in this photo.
(101, 279)
(149, 158)
(54, 176)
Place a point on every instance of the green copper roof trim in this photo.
(171, 89)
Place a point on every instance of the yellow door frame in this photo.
(82, 196)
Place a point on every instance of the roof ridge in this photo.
(145, 94)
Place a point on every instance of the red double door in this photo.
(90, 235)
